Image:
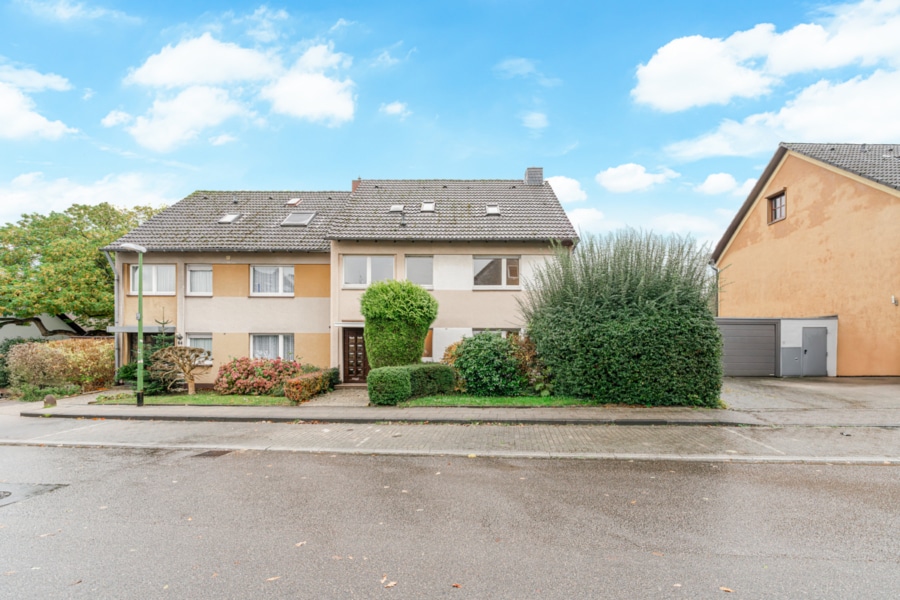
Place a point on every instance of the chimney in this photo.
(534, 176)
(355, 185)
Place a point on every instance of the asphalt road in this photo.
(249, 524)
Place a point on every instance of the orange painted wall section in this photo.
(313, 348)
(156, 309)
(231, 280)
(836, 253)
(312, 281)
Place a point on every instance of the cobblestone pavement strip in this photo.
(760, 444)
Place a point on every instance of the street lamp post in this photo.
(140, 320)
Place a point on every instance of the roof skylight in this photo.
(298, 219)
(427, 206)
(294, 201)
(492, 209)
(230, 218)
(396, 208)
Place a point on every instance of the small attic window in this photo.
(294, 201)
(427, 207)
(396, 208)
(492, 209)
(298, 219)
(230, 218)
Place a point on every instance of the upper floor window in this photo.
(496, 271)
(158, 279)
(272, 281)
(199, 280)
(420, 270)
(360, 271)
(777, 207)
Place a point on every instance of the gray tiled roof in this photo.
(878, 162)
(527, 212)
(191, 225)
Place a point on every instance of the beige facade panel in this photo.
(156, 309)
(256, 315)
(225, 347)
(231, 280)
(312, 281)
(313, 349)
(837, 252)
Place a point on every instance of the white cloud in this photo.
(265, 24)
(632, 177)
(307, 93)
(384, 59)
(535, 120)
(859, 109)
(567, 190)
(19, 120)
(515, 67)
(591, 220)
(221, 140)
(170, 123)
(31, 192)
(717, 183)
(396, 109)
(745, 188)
(116, 117)
(204, 61)
(64, 10)
(697, 71)
(341, 23)
(29, 80)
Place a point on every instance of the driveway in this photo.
(755, 393)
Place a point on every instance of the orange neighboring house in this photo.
(819, 236)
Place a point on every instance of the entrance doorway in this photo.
(814, 357)
(356, 364)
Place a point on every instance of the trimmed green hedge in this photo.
(397, 315)
(487, 364)
(392, 385)
(388, 385)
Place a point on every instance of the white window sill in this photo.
(257, 295)
(153, 293)
(497, 288)
(199, 294)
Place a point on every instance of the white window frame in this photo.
(187, 282)
(281, 337)
(189, 338)
(503, 285)
(429, 286)
(150, 280)
(368, 257)
(280, 293)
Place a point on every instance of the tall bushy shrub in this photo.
(5, 347)
(625, 318)
(88, 363)
(397, 315)
(37, 365)
(487, 364)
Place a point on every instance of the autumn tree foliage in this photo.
(52, 264)
(177, 364)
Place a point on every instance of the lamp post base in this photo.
(140, 398)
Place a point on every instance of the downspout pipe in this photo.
(712, 265)
(116, 336)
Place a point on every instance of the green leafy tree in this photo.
(398, 314)
(52, 264)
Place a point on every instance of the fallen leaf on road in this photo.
(725, 589)
(273, 578)
(472, 456)
(658, 554)
(75, 582)
(383, 579)
(298, 544)
(390, 584)
(456, 585)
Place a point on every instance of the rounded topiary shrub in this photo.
(487, 365)
(626, 319)
(398, 314)
(388, 385)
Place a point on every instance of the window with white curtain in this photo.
(279, 345)
(271, 280)
(200, 340)
(199, 280)
(159, 280)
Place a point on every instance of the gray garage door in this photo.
(749, 349)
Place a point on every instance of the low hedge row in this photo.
(303, 387)
(392, 385)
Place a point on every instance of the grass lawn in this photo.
(201, 398)
(463, 400)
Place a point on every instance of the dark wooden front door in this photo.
(356, 364)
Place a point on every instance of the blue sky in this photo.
(655, 115)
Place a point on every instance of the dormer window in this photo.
(230, 218)
(298, 219)
(427, 207)
(492, 209)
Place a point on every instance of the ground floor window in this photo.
(200, 340)
(274, 345)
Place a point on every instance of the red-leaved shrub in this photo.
(302, 388)
(255, 376)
